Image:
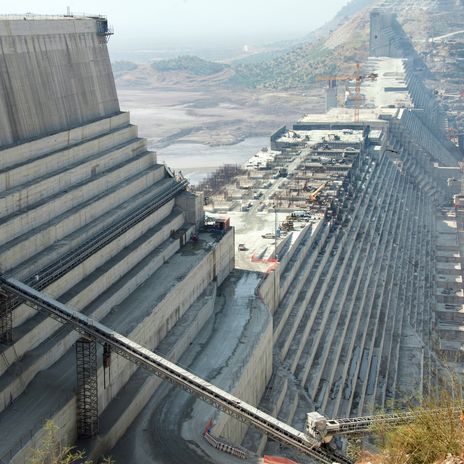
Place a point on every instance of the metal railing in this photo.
(47, 275)
(35, 16)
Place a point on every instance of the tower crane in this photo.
(358, 78)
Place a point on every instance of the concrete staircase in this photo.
(58, 195)
(357, 294)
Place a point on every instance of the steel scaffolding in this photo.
(130, 350)
(87, 388)
(6, 320)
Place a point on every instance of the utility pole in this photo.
(275, 232)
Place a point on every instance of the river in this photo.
(196, 160)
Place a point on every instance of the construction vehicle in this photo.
(293, 134)
(358, 79)
(334, 138)
(313, 196)
(287, 225)
(283, 172)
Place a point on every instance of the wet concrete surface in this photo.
(170, 428)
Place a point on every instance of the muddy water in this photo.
(197, 160)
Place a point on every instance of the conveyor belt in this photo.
(358, 425)
(47, 275)
(65, 263)
(167, 370)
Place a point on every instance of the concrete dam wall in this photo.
(54, 75)
(343, 323)
(88, 216)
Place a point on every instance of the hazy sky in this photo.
(181, 21)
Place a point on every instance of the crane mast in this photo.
(358, 78)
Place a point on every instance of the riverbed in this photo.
(197, 160)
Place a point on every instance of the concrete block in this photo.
(40, 93)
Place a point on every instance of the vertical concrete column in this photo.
(331, 93)
(192, 205)
(377, 43)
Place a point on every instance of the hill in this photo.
(300, 66)
(190, 64)
(120, 67)
(294, 69)
(334, 48)
(342, 40)
(341, 43)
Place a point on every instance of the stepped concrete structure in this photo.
(372, 307)
(353, 307)
(88, 216)
(365, 298)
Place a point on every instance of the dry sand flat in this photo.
(208, 113)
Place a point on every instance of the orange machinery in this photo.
(313, 195)
(358, 78)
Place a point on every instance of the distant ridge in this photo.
(333, 48)
(191, 64)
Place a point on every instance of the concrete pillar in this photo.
(192, 205)
(331, 95)
(378, 44)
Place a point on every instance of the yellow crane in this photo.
(314, 195)
(358, 79)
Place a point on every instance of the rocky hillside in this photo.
(342, 42)
(297, 68)
(343, 39)
(335, 47)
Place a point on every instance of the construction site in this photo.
(277, 305)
